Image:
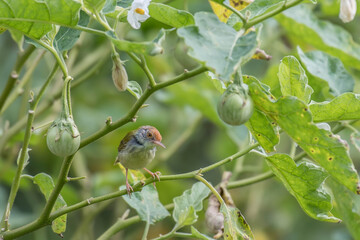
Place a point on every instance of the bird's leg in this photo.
(154, 175)
(129, 189)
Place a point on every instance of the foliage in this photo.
(58, 57)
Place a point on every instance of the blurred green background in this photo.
(185, 114)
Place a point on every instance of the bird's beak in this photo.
(159, 143)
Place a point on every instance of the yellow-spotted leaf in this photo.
(235, 225)
(263, 130)
(294, 117)
(343, 107)
(222, 12)
(293, 80)
(305, 182)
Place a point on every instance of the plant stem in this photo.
(146, 231)
(59, 59)
(130, 115)
(62, 179)
(89, 30)
(167, 235)
(183, 235)
(235, 11)
(21, 161)
(22, 58)
(281, 8)
(142, 63)
(22, 122)
(102, 22)
(123, 223)
(138, 186)
(212, 189)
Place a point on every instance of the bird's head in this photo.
(149, 136)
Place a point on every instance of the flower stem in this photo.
(21, 161)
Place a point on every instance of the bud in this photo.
(119, 75)
(347, 10)
(63, 137)
(235, 106)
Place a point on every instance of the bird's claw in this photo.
(129, 189)
(156, 175)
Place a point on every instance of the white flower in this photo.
(347, 10)
(139, 12)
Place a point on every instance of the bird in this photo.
(137, 149)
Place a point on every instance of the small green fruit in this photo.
(63, 137)
(235, 106)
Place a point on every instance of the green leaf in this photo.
(94, 6)
(198, 235)
(18, 37)
(109, 6)
(343, 107)
(217, 45)
(66, 37)
(135, 89)
(235, 225)
(259, 7)
(263, 130)
(329, 69)
(293, 116)
(301, 23)
(124, 3)
(272, 81)
(35, 18)
(151, 48)
(46, 185)
(293, 80)
(170, 16)
(147, 204)
(355, 140)
(347, 205)
(188, 204)
(305, 182)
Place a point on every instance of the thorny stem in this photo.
(130, 115)
(21, 161)
(22, 58)
(45, 218)
(279, 9)
(121, 225)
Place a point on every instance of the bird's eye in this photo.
(149, 134)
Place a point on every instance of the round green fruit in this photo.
(63, 137)
(235, 106)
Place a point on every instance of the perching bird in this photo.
(137, 149)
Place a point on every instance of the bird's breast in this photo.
(136, 159)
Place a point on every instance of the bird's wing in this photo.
(126, 139)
